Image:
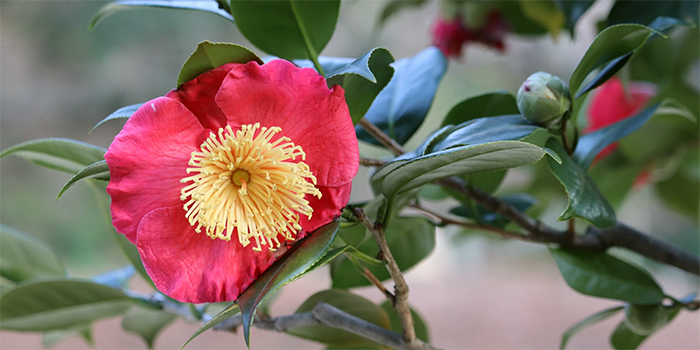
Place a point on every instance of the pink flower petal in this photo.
(297, 100)
(148, 159)
(198, 96)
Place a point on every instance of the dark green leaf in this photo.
(588, 321)
(121, 113)
(118, 278)
(96, 171)
(345, 301)
(420, 327)
(605, 73)
(573, 10)
(222, 316)
(24, 257)
(624, 339)
(410, 240)
(483, 130)
(292, 265)
(60, 304)
(122, 5)
(602, 275)
(486, 105)
(521, 201)
(146, 323)
(401, 107)
(210, 55)
(290, 29)
(459, 161)
(363, 79)
(584, 198)
(645, 319)
(590, 145)
(60, 154)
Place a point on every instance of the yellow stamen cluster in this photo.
(250, 183)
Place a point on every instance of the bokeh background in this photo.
(57, 79)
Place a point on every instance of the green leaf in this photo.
(146, 323)
(605, 73)
(51, 338)
(60, 154)
(418, 324)
(410, 240)
(209, 55)
(121, 113)
(624, 339)
(401, 107)
(602, 275)
(573, 10)
(290, 29)
(363, 79)
(59, 304)
(520, 201)
(393, 7)
(648, 11)
(486, 105)
(584, 198)
(123, 5)
(462, 160)
(544, 13)
(290, 266)
(521, 24)
(23, 257)
(96, 171)
(588, 321)
(345, 301)
(489, 129)
(222, 316)
(590, 145)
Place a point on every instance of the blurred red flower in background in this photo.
(450, 35)
(213, 181)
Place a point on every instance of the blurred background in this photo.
(57, 79)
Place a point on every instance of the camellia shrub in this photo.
(237, 182)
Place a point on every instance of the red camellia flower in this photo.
(214, 180)
(612, 103)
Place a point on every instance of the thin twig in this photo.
(400, 286)
(377, 283)
(380, 136)
(371, 162)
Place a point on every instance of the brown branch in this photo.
(400, 286)
(377, 283)
(380, 136)
(371, 162)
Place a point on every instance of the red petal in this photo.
(191, 267)
(326, 209)
(611, 103)
(198, 96)
(148, 159)
(299, 101)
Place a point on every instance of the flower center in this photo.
(246, 181)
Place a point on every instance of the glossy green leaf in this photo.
(23, 257)
(146, 323)
(290, 29)
(98, 171)
(410, 240)
(222, 316)
(486, 105)
(459, 161)
(59, 304)
(117, 278)
(363, 79)
(123, 5)
(418, 324)
(588, 321)
(345, 301)
(590, 145)
(602, 275)
(544, 13)
(584, 198)
(121, 113)
(209, 55)
(403, 104)
(605, 73)
(60, 154)
(292, 265)
(483, 130)
(573, 10)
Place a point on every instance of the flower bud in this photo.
(645, 319)
(544, 99)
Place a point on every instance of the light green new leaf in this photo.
(289, 267)
(209, 55)
(59, 304)
(290, 29)
(146, 323)
(96, 171)
(24, 257)
(363, 79)
(123, 5)
(60, 154)
(584, 198)
(345, 301)
(588, 321)
(602, 275)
